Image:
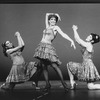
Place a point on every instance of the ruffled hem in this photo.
(47, 52)
(84, 72)
(21, 73)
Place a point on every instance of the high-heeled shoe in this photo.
(5, 86)
(36, 85)
(33, 83)
(47, 87)
(73, 87)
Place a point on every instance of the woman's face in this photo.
(52, 21)
(8, 44)
(89, 38)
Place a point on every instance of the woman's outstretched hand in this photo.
(49, 14)
(74, 27)
(58, 16)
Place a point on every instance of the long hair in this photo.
(95, 38)
(5, 48)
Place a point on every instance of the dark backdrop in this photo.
(29, 20)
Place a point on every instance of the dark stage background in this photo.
(29, 20)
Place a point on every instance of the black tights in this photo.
(58, 71)
(44, 68)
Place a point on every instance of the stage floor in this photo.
(26, 91)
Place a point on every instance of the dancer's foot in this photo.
(37, 88)
(73, 86)
(47, 87)
(36, 85)
(4, 86)
(65, 86)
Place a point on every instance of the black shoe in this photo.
(47, 87)
(65, 86)
(11, 86)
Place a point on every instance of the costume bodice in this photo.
(17, 58)
(48, 35)
(86, 54)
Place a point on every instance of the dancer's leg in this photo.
(8, 86)
(58, 71)
(38, 73)
(45, 72)
(92, 86)
(71, 76)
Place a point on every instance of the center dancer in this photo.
(45, 51)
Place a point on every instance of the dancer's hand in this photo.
(74, 27)
(17, 34)
(73, 44)
(58, 16)
(49, 14)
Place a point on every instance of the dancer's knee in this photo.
(54, 65)
(91, 86)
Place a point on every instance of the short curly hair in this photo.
(55, 16)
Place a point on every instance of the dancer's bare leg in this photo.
(71, 76)
(93, 86)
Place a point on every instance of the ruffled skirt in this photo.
(47, 52)
(22, 72)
